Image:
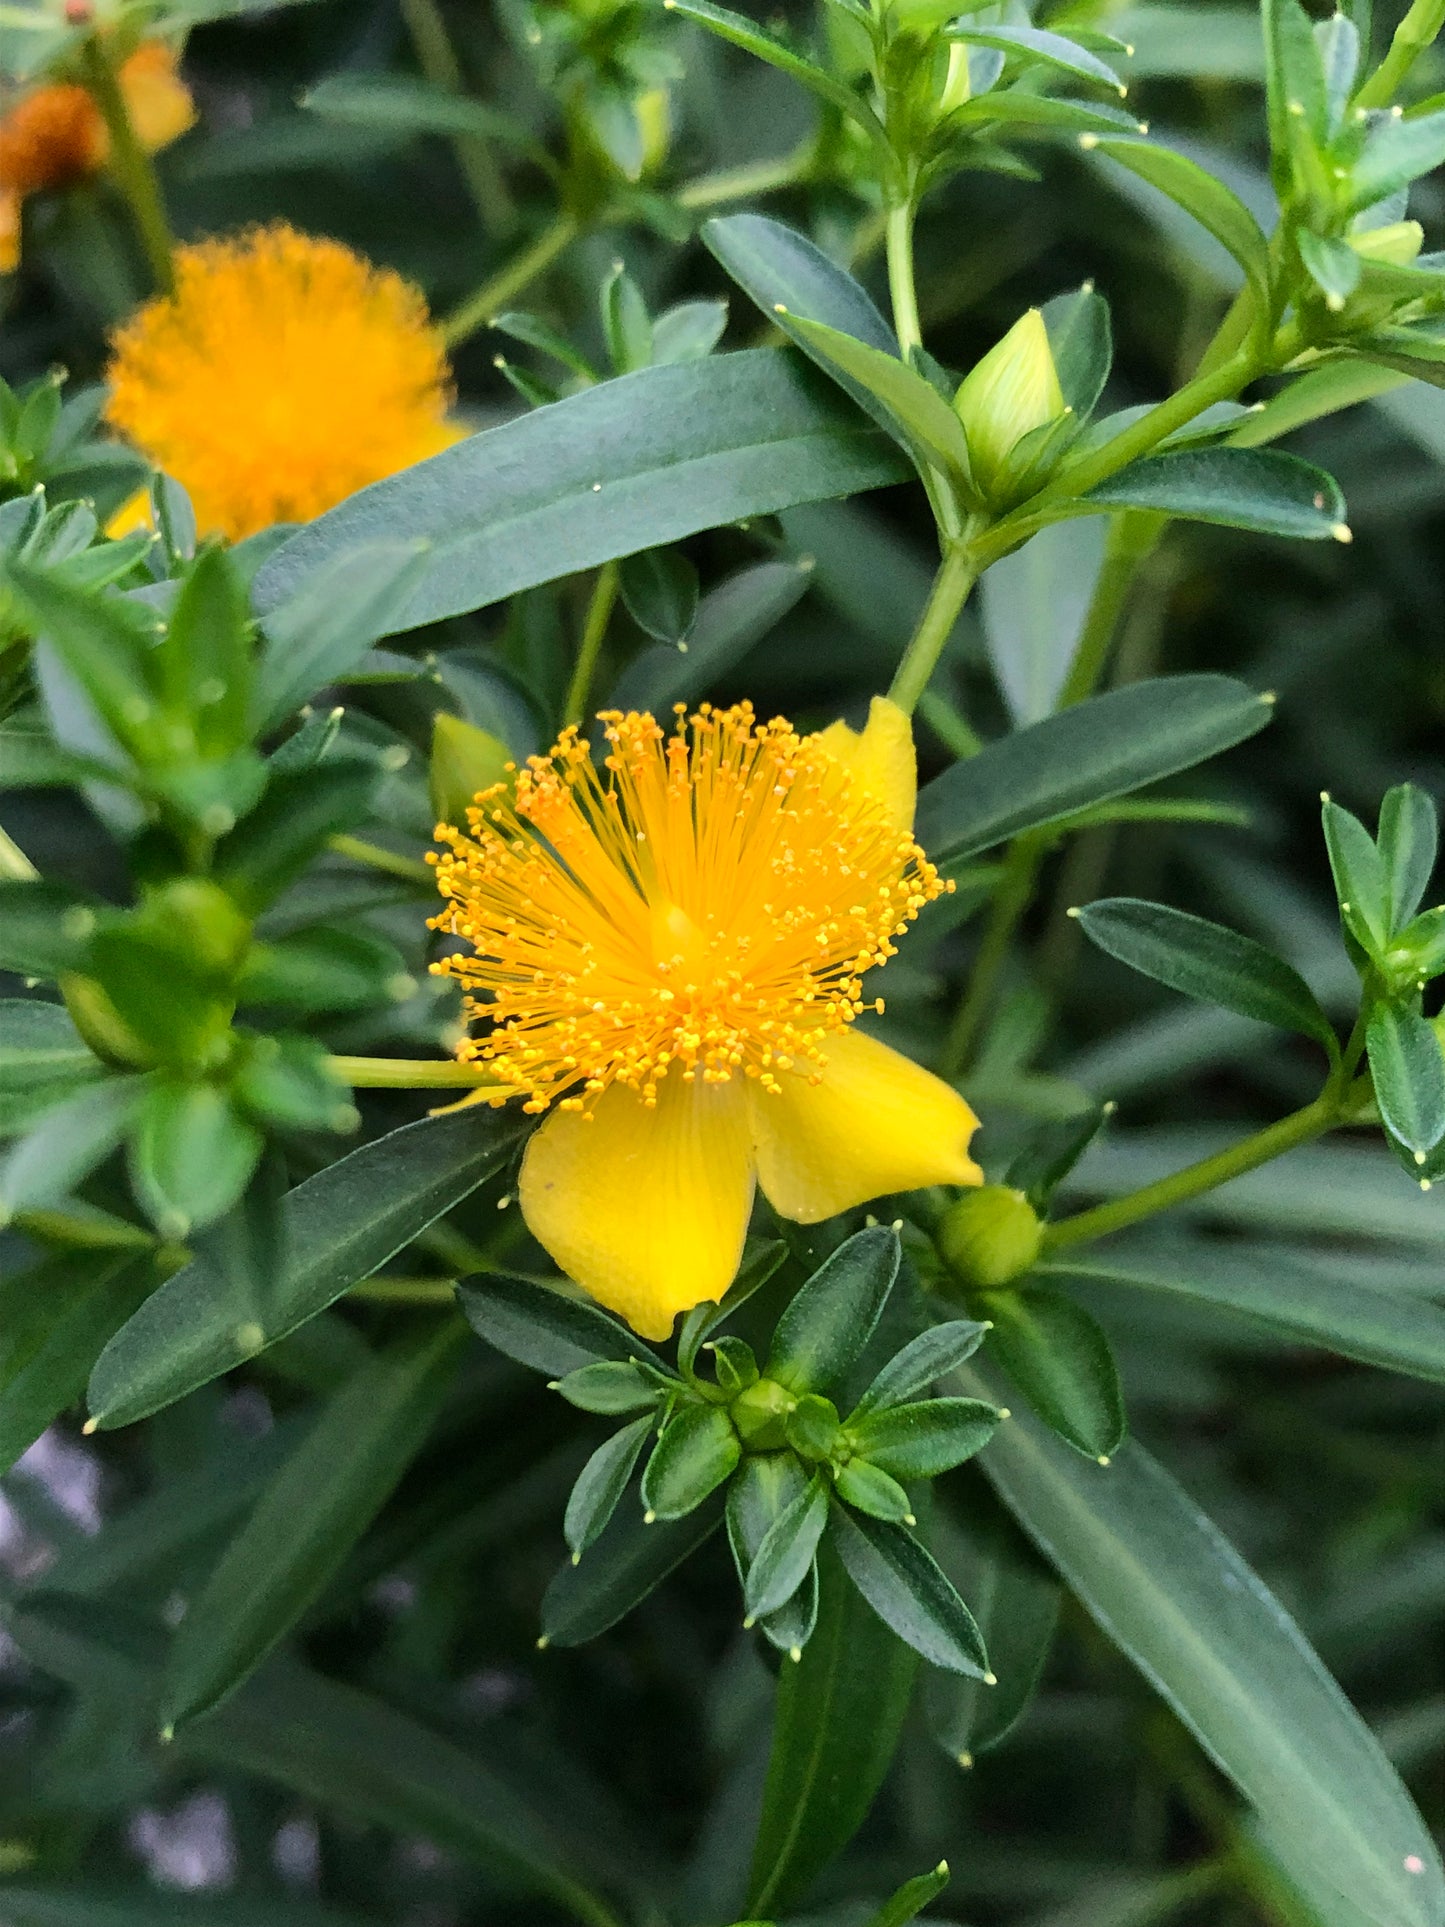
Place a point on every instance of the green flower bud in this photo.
(759, 1414)
(1396, 244)
(465, 761)
(1010, 393)
(990, 1237)
(814, 1431)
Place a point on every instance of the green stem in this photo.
(1133, 533)
(901, 285)
(504, 286)
(15, 866)
(954, 731)
(1010, 900)
(438, 61)
(130, 163)
(387, 861)
(956, 577)
(744, 183)
(406, 1291)
(1415, 33)
(594, 631)
(1330, 1108)
(408, 1073)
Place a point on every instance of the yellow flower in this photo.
(284, 374)
(670, 955)
(54, 135)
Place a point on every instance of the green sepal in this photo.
(608, 1387)
(920, 1364)
(922, 1440)
(601, 1483)
(698, 1450)
(868, 1488)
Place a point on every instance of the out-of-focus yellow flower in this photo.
(54, 135)
(669, 955)
(285, 373)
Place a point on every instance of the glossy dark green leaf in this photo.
(620, 1570)
(869, 1489)
(1212, 204)
(907, 1588)
(1060, 1360)
(1207, 961)
(627, 465)
(1396, 151)
(1409, 842)
(832, 1317)
(601, 1483)
(1019, 109)
(921, 1440)
(739, 612)
(307, 1520)
(1279, 1287)
(543, 1328)
(608, 1387)
(785, 1557)
(659, 587)
(839, 1718)
(337, 1228)
(920, 1364)
(767, 1485)
(1408, 1069)
(1239, 488)
(1179, 1601)
(1015, 1599)
(698, 1450)
(54, 1318)
(1088, 754)
(775, 264)
(1050, 1154)
(205, 656)
(1360, 881)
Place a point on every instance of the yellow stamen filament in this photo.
(711, 898)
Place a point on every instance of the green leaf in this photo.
(1408, 1068)
(545, 1329)
(907, 1588)
(205, 656)
(1060, 1360)
(43, 1059)
(337, 1228)
(32, 759)
(1280, 1288)
(1088, 754)
(307, 1520)
(688, 331)
(1207, 961)
(626, 324)
(608, 1387)
(776, 265)
(659, 587)
(909, 405)
(832, 1317)
(921, 1363)
(1051, 1153)
(412, 105)
(838, 1721)
(785, 1557)
(1179, 1601)
(30, 1903)
(54, 1318)
(1332, 265)
(699, 1448)
(1408, 843)
(1036, 46)
(921, 1440)
(739, 612)
(1019, 108)
(1081, 341)
(191, 1155)
(766, 1486)
(320, 626)
(867, 1488)
(911, 1899)
(1015, 1598)
(272, 845)
(1360, 881)
(1396, 152)
(1238, 488)
(67, 1143)
(601, 1483)
(1294, 83)
(627, 465)
(619, 1571)
(1211, 203)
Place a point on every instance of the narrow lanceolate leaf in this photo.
(922, 1440)
(1089, 754)
(1409, 1076)
(911, 1899)
(839, 1717)
(1207, 961)
(1409, 843)
(1211, 203)
(601, 1483)
(1179, 1601)
(337, 1228)
(832, 1318)
(698, 1450)
(67, 1143)
(778, 266)
(767, 1485)
(1279, 1288)
(319, 634)
(616, 1574)
(630, 464)
(921, 1363)
(909, 406)
(541, 1328)
(907, 1588)
(307, 1520)
(785, 1556)
(1360, 881)
(1060, 1360)
(1239, 488)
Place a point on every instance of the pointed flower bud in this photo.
(1012, 391)
(990, 1237)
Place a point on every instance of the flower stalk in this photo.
(132, 166)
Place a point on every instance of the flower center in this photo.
(709, 899)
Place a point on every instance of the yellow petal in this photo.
(133, 513)
(645, 1209)
(881, 759)
(875, 1122)
(157, 99)
(9, 231)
